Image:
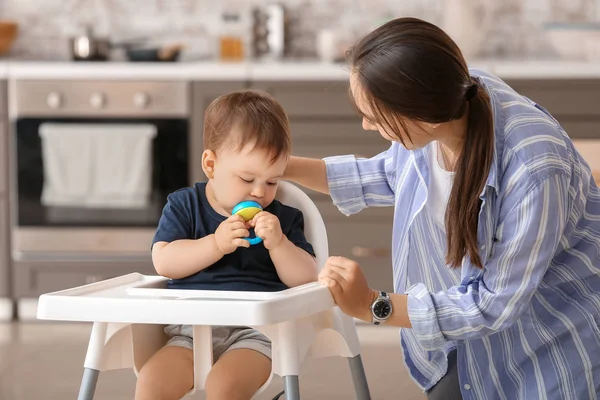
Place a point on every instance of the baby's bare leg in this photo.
(237, 375)
(167, 375)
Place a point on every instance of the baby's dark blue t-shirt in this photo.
(188, 215)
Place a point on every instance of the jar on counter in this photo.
(231, 39)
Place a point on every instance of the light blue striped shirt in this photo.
(526, 325)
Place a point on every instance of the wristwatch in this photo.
(381, 308)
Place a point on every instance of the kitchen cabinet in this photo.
(4, 248)
(364, 237)
(203, 93)
(32, 278)
(5, 259)
(574, 103)
(322, 138)
(319, 138)
(3, 99)
(3, 155)
(301, 99)
(3, 139)
(324, 123)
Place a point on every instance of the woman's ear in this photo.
(209, 159)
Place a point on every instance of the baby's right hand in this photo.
(229, 234)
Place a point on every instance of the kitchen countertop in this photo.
(542, 69)
(258, 71)
(128, 70)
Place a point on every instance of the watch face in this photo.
(382, 309)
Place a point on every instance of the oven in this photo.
(92, 165)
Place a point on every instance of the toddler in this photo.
(200, 245)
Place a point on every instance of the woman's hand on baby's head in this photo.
(230, 233)
(267, 227)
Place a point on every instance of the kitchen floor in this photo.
(44, 361)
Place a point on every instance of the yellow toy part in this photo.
(248, 213)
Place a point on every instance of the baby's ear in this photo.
(209, 159)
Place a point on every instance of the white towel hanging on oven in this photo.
(97, 165)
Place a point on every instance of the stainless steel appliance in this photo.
(87, 47)
(270, 32)
(50, 230)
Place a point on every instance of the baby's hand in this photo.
(268, 227)
(229, 234)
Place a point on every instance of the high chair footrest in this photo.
(278, 396)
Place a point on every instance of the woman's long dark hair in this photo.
(411, 69)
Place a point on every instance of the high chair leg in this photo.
(93, 361)
(292, 387)
(361, 385)
(88, 384)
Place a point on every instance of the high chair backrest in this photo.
(314, 227)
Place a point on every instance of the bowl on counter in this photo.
(154, 54)
(8, 34)
(573, 41)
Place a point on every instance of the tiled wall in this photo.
(514, 31)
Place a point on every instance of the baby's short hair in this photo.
(255, 116)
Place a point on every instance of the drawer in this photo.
(369, 244)
(4, 247)
(311, 99)
(320, 139)
(562, 97)
(35, 279)
(322, 150)
(3, 156)
(333, 130)
(167, 99)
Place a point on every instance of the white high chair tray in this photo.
(137, 298)
(157, 287)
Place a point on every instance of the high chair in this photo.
(129, 313)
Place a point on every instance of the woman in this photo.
(496, 240)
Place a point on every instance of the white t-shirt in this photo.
(439, 185)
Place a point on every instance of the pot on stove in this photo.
(88, 47)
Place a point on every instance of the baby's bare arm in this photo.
(294, 265)
(185, 257)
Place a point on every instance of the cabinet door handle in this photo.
(359, 251)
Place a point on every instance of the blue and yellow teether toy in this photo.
(247, 210)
